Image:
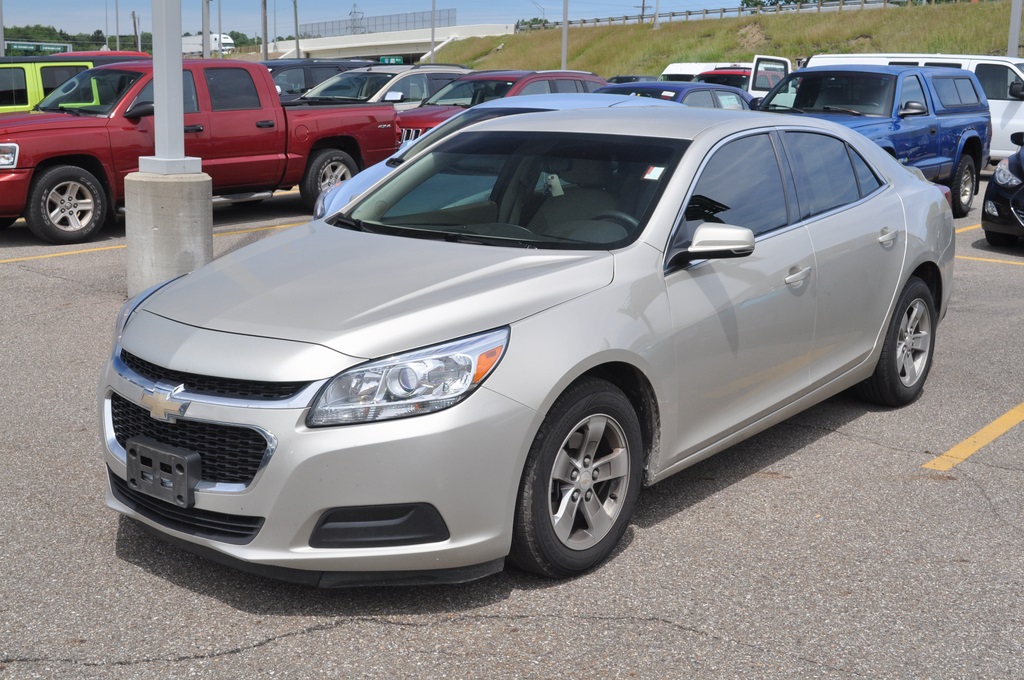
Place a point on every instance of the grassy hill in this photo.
(962, 28)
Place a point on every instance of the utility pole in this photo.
(117, 25)
(643, 10)
(206, 29)
(2, 53)
(263, 24)
(136, 20)
(220, 32)
(298, 52)
(565, 31)
(1013, 45)
(657, 13)
(433, 20)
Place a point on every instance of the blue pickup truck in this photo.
(935, 119)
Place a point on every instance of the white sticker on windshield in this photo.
(654, 172)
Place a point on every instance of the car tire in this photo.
(965, 183)
(907, 353)
(66, 204)
(7, 221)
(326, 168)
(580, 483)
(1000, 240)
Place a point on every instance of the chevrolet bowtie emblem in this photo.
(163, 404)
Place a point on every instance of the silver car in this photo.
(486, 356)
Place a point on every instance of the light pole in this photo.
(2, 53)
(565, 31)
(298, 52)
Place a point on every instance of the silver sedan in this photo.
(486, 356)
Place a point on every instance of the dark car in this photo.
(1004, 199)
(483, 86)
(703, 95)
(295, 76)
(631, 79)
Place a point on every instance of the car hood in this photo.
(39, 121)
(426, 116)
(369, 295)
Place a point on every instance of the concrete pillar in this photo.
(168, 225)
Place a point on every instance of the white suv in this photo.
(404, 86)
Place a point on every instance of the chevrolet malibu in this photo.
(485, 357)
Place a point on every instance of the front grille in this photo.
(216, 526)
(211, 385)
(230, 453)
(410, 133)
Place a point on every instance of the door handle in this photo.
(888, 236)
(264, 123)
(796, 278)
(193, 128)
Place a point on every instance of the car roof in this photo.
(402, 68)
(891, 69)
(570, 100)
(510, 74)
(278, 63)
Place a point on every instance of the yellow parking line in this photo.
(989, 259)
(963, 229)
(120, 247)
(976, 441)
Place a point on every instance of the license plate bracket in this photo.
(164, 472)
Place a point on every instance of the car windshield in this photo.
(524, 189)
(356, 86)
(470, 92)
(94, 92)
(834, 92)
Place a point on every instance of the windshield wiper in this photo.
(780, 107)
(351, 223)
(840, 109)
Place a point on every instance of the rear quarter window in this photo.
(231, 89)
(956, 92)
(13, 87)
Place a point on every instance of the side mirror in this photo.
(1017, 89)
(140, 110)
(713, 241)
(913, 109)
(394, 96)
(1017, 138)
(755, 102)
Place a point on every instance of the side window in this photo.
(965, 88)
(911, 91)
(565, 85)
(996, 80)
(13, 87)
(956, 91)
(53, 76)
(866, 177)
(319, 74)
(231, 89)
(701, 98)
(435, 81)
(536, 87)
(190, 101)
(414, 87)
(740, 185)
(290, 80)
(591, 86)
(822, 171)
(731, 100)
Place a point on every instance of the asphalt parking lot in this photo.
(848, 542)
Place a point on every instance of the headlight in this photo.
(131, 305)
(8, 155)
(1003, 176)
(410, 384)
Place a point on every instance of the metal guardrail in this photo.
(723, 13)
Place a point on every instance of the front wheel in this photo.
(66, 204)
(326, 168)
(965, 182)
(907, 353)
(580, 483)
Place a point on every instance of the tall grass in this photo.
(963, 28)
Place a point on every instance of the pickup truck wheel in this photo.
(995, 238)
(964, 184)
(326, 168)
(66, 204)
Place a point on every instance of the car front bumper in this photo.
(1003, 209)
(424, 499)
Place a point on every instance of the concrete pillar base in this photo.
(168, 226)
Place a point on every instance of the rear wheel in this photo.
(907, 353)
(326, 168)
(965, 182)
(580, 483)
(66, 204)
(998, 239)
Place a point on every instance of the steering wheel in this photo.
(619, 217)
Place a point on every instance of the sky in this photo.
(78, 16)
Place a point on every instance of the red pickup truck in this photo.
(63, 166)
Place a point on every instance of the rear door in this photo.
(247, 131)
(766, 73)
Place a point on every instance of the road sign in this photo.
(392, 60)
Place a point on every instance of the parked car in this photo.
(1004, 199)
(686, 71)
(24, 81)
(631, 79)
(63, 167)
(487, 355)
(405, 86)
(936, 119)
(484, 86)
(294, 77)
(1001, 77)
(336, 197)
(704, 95)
